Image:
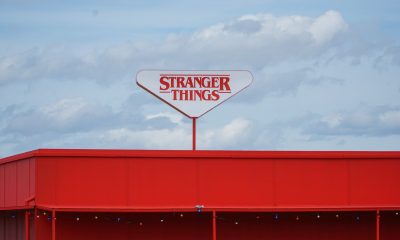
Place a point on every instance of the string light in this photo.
(275, 216)
(397, 213)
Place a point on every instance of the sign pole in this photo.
(194, 134)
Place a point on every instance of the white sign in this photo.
(193, 93)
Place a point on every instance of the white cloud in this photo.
(363, 121)
(64, 110)
(267, 28)
(333, 120)
(390, 118)
(176, 138)
(232, 135)
(172, 117)
(286, 54)
(252, 41)
(65, 115)
(327, 26)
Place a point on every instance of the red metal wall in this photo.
(183, 182)
(17, 183)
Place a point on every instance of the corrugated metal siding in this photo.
(17, 183)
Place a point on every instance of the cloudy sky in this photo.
(326, 73)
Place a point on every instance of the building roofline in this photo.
(122, 153)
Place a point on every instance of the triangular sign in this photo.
(193, 93)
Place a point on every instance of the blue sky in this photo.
(326, 73)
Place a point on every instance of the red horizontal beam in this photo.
(221, 209)
(16, 208)
(203, 154)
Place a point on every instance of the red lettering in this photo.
(174, 94)
(180, 82)
(164, 83)
(214, 82)
(205, 83)
(189, 83)
(205, 95)
(224, 84)
(195, 88)
(215, 95)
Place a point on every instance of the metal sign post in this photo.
(193, 134)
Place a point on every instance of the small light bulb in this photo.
(96, 217)
(297, 218)
(44, 213)
(181, 215)
(257, 217)
(162, 220)
(318, 216)
(337, 215)
(140, 224)
(397, 213)
(77, 219)
(236, 222)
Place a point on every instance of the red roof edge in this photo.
(19, 156)
(202, 154)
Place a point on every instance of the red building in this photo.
(132, 194)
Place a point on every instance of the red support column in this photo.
(35, 223)
(194, 134)
(214, 225)
(53, 225)
(378, 221)
(4, 225)
(27, 213)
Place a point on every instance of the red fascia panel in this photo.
(216, 182)
(150, 180)
(19, 156)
